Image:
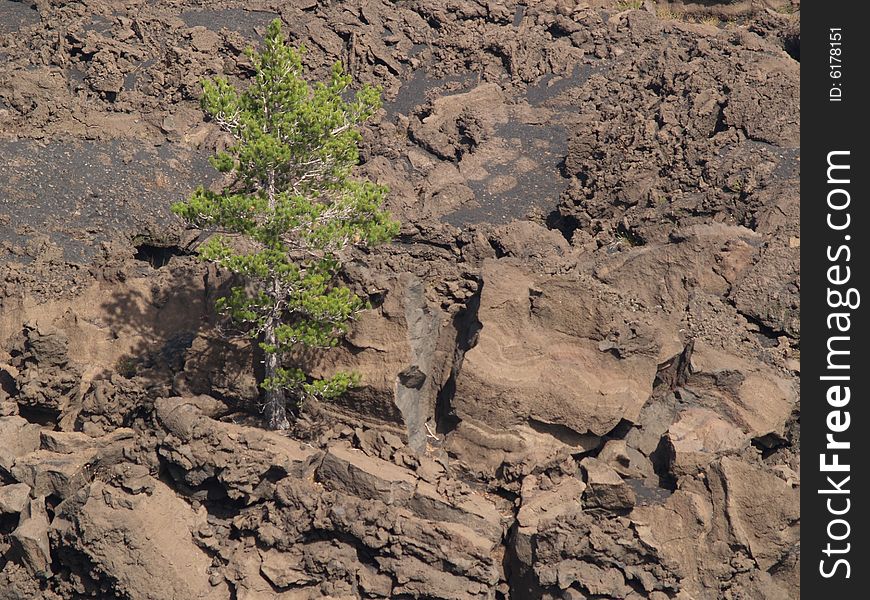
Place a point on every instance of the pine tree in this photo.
(291, 209)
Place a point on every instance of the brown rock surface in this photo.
(698, 436)
(143, 542)
(605, 488)
(538, 360)
(403, 352)
(579, 372)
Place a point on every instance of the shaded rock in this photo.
(127, 540)
(49, 473)
(217, 366)
(605, 488)
(246, 461)
(31, 537)
(403, 351)
(13, 498)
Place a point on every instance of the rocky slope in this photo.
(580, 371)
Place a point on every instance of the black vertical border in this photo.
(834, 126)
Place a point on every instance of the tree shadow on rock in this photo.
(169, 342)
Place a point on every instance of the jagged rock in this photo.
(282, 571)
(70, 442)
(399, 541)
(537, 508)
(406, 334)
(540, 505)
(593, 556)
(46, 380)
(605, 488)
(609, 582)
(47, 345)
(49, 473)
(245, 460)
(31, 537)
(770, 291)
(486, 451)
(68, 460)
(141, 543)
(699, 436)
(108, 404)
(19, 438)
(249, 576)
(416, 578)
(13, 498)
(371, 478)
(755, 397)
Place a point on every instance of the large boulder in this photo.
(19, 438)
(142, 543)
(753, 396)
(698, 437)
(31, 537)
(556, 353)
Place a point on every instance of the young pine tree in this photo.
(291, 210)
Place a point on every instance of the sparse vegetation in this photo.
(629, 5)
(127, 367)
(289, 213)
(711, 20)
(666, 14)
(735, 184)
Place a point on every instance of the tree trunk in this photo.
(276, 403)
